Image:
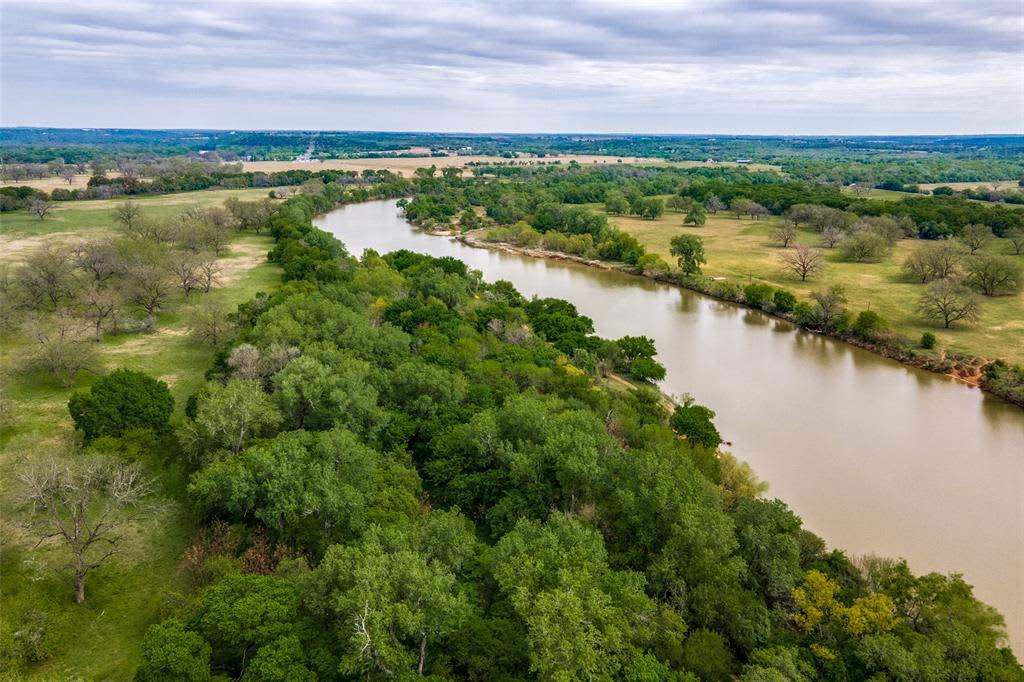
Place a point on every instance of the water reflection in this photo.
(876, 457)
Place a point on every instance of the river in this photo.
(876, 457)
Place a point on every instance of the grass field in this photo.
(998, 184)
(741, 251)
(100, 639)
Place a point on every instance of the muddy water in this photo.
(874, 456)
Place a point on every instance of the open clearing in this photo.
(741, 251)
(993, 184)
(49, 184)
(100, 639)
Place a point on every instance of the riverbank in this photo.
(967, 370)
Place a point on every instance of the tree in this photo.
(784, 234)
(129, 214)
(64, 347)
(864, 247)
(714, 204)
(171, 653)
(993, 275)
(929, 262)
(96, 257)
(211, 323)
(99, 304)
(830, 311)
(1015, 237)
(696, 216)
(48, 272)
(695, 422)
(148, 287)
(184, 268)
(86, 505)
(831, 235)
(40, 208)
(651, 208)
(949, 302)
(68, 172)
(234, 413)
(803, 260)
(741, 206)
(690, 252)
(395, 598)
(975, 236)
(615, 202)
(678, 202)
(123, 400)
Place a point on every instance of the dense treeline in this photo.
(878, 161)
(406, 471)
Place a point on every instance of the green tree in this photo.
(232, 414)
(696, 216)
(690, 252)
(707, 654)
(579, 614)
(783, 300)
(121, 401)
(652, 208)
(695, 422)
(615, 202)
(394, 601)
(171, 653)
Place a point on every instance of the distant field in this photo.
(997, 184)
(49, 184)
(741, 251)
(100, 639)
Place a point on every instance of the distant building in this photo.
(744, 162)
(710, 160)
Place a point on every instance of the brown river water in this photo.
(876, 457)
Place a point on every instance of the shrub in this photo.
(927, 340)
(867, 324)
(865, 247)
(170, 652)
(757, 294)
(121, 401)
(784, 300)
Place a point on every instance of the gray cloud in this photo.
(753, 66)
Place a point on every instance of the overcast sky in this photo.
(743, 66)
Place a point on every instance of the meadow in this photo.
(100, 638)
(742, 251)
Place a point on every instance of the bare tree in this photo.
(1016, 239)
(86, 505)
(64, 347)
(831, 236)
(148, 287)
(48, 272)
(975, 237)
(40, 207)
(184, 268)
(129, 214)
(96, 257)
(804, 261)
(949, 302)
(208, 272)
(211, 323)
(68, 172)
(784, 234)
(993, 275)
(99, 304)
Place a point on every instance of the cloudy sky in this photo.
(729, 66)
